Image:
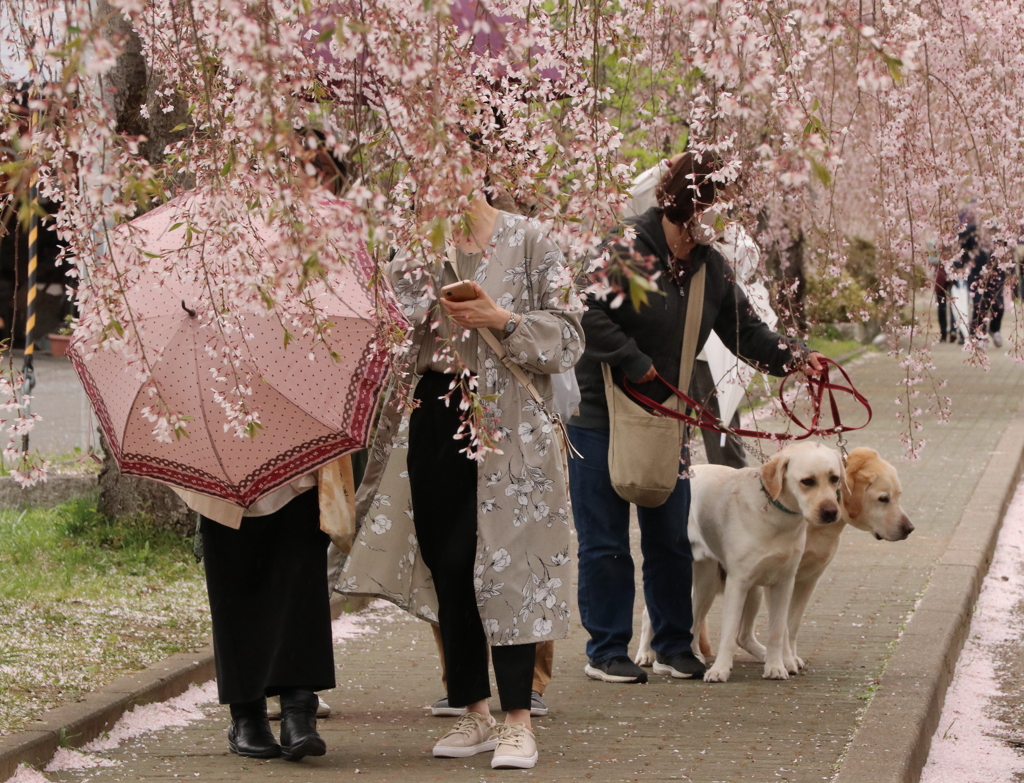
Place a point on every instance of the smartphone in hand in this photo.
(461, 291)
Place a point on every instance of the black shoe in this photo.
(617, 669)
(249, 734)
(298, 725)
(682, 665)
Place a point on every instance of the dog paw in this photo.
(793, 665)
(644, 658)
(775, 673)
(715, 674)
(800, 663)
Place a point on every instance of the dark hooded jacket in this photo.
(630, 340)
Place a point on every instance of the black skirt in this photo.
(269, 601)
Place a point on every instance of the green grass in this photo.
(85, 599)
(833, 349)
(73, 550)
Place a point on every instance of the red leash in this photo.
(818, 387)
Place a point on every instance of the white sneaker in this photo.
(997, 338)
(517, 747)
(472, 734)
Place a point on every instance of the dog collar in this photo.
(773, 501)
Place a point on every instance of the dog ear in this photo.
(844, 484)
(856, 479)
(773, 473)
(854, 502)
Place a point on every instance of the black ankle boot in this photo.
(250, 733)
(298, 725)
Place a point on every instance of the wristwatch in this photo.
(513, 322)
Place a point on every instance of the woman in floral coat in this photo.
(478, 544)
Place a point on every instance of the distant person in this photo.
(985, 278)
(944, 301)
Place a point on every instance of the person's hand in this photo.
(480, 312)
(813, 364)
(648, 376)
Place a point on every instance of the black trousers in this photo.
(443, 485)
(269, 602)
(947, 313)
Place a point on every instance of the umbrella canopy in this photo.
(315, 397)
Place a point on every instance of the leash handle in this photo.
(817, 388)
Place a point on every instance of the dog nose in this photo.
(906, 526)
(828, 513)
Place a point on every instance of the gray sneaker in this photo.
(440, 709)
(997, 338)
(538, 709)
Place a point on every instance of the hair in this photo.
(687, 187)
(344, 169)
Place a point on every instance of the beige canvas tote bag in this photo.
(643, 448)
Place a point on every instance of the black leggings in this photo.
(443, 484)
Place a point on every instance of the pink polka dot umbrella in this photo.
(261, 395)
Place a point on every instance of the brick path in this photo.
(745, 730)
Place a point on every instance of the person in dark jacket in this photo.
(638, 344)
(985, 276)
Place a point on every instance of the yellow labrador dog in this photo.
(872, 505)
(752, 524)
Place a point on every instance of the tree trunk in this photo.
(128, 496)
(133, 85)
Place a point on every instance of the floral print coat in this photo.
(523, 572)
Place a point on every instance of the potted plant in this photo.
(60, 339)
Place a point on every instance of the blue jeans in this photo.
(606, 574)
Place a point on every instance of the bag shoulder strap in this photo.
(691, 331)
(517, 372)
(694, 313)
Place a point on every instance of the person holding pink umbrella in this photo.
(266, 576)
(265, 551)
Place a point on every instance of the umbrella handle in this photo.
(191, 313)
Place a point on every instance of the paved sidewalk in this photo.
(745, 730)
(59, 398)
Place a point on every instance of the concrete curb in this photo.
(893, 740)
(74, 725)
(52, 492)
